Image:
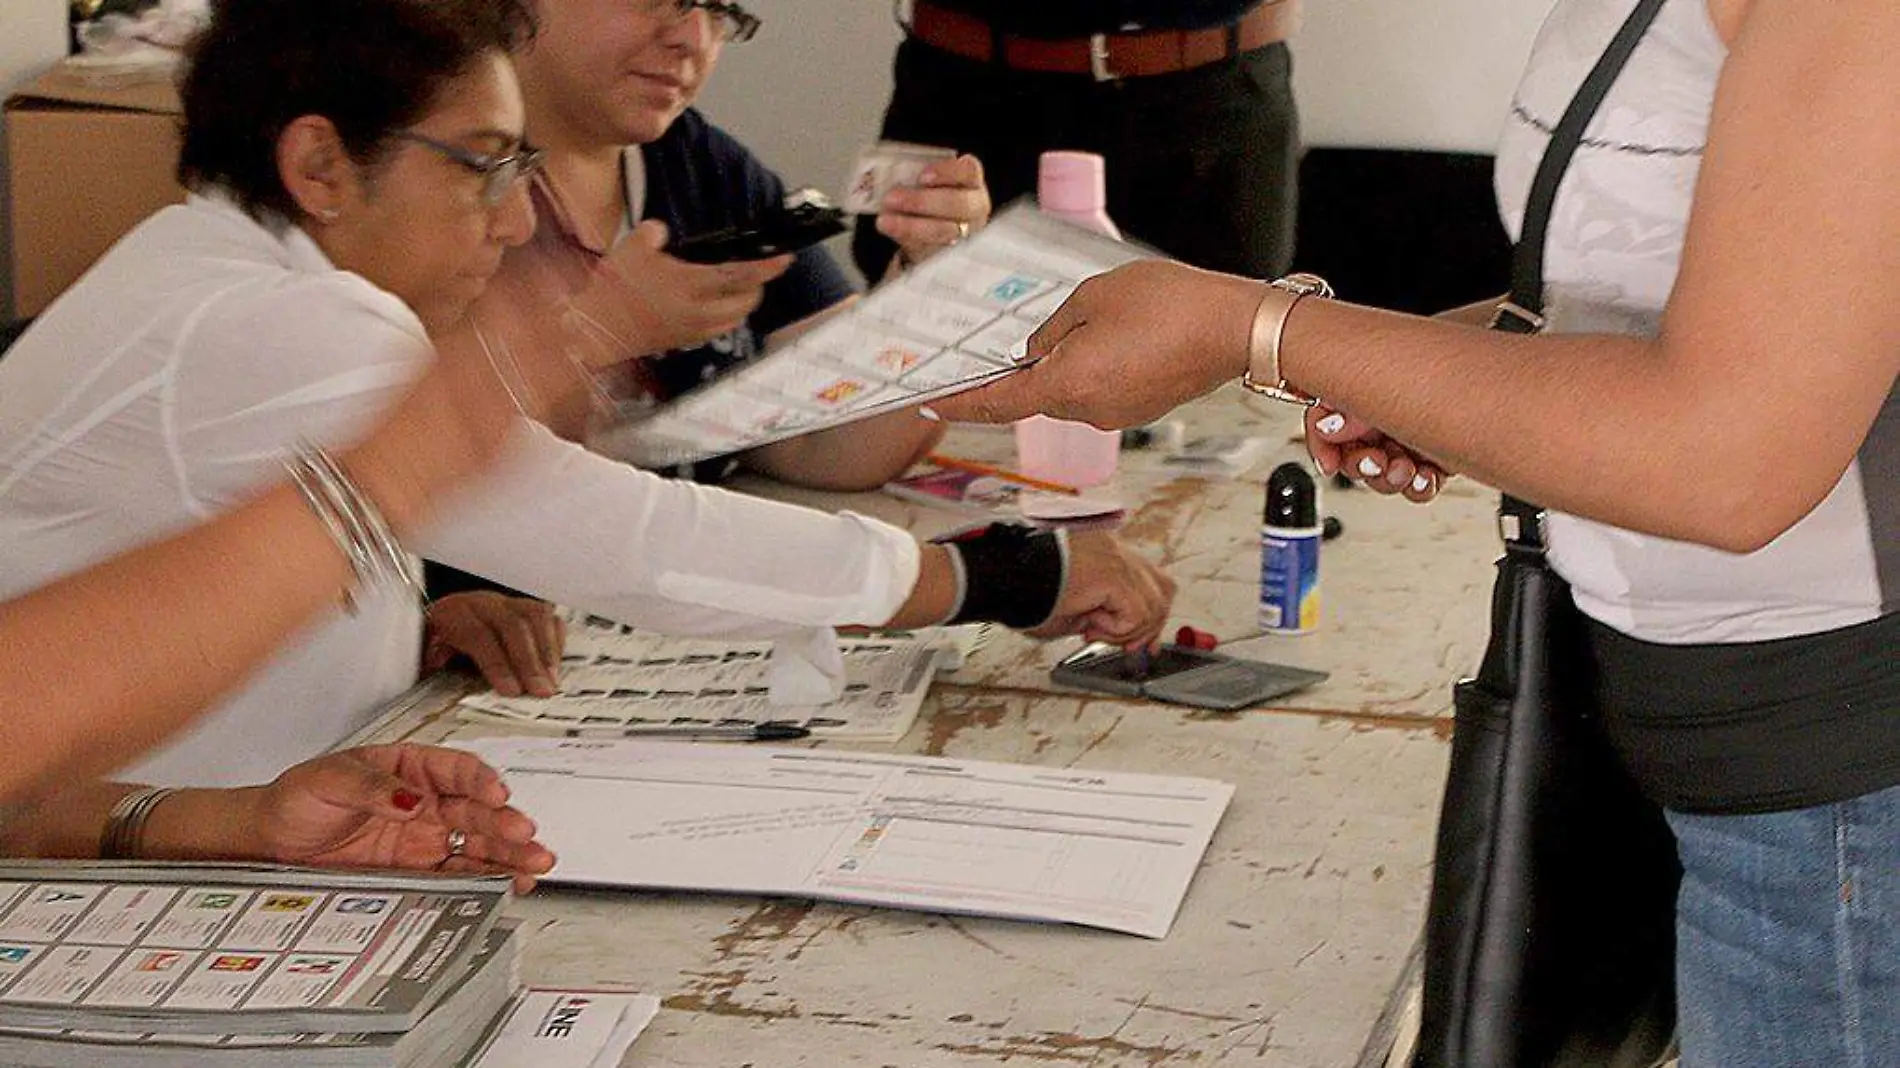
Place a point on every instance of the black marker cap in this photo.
(1292, 500)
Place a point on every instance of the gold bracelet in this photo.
(1269, 328)
(125, 824)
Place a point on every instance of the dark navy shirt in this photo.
(699, 178)
(1080, 18)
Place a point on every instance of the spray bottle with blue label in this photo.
(1289, 552)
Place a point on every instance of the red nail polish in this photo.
(407, 800)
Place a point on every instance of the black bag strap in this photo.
(1521, 522)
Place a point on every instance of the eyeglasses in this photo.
(731, 22)
(499, 173)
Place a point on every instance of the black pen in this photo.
(763, 732)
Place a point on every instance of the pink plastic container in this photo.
(1072, 186)
(1074, 454)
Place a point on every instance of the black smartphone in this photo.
(805, 219)
(1181, 676)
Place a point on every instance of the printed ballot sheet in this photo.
(1113, 850)
(618, 680)
(197, 948)
(958, 320)
(474, 1001)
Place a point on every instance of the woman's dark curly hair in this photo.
(371, 67)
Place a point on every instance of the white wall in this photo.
(1384, 73)
(810, 89)
(32, 37)
(1434, 74)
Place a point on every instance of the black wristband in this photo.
(1013, 575)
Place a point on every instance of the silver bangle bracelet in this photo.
(125, 824)
(354, 523)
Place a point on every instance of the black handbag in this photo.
(1550, 931)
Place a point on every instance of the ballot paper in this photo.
(446, 1034)
(961, 318)
(229, 948)
(885, 166)
(1114, 850)
(616, 679)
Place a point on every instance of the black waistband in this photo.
(1756, 726)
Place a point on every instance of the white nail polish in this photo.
(1332, 424)
(1370, 468)
(929, 413)
(1420, 483)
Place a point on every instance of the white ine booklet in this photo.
(1114, 850)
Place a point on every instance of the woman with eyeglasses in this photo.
(609, 88)
(356, 172)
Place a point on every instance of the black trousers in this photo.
(1201, 164)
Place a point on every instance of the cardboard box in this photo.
(85, 164)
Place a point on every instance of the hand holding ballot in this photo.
(1188, 330)
(949, 324)
(948, 201)
(1184, 328)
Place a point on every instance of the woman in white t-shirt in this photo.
(1711, 415)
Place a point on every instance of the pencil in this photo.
(958, 463)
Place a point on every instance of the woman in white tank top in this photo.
(1711, 415)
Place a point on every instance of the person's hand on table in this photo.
(948, 203)
(1341, 444)
(1113, 594)
(1125, 349)
(516, 642)
(396, 806)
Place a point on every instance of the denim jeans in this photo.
(1789, 937)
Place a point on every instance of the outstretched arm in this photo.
(1778, 348)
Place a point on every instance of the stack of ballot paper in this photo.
(618, 681)
(103, 964)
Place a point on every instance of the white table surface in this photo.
(1294, 931)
